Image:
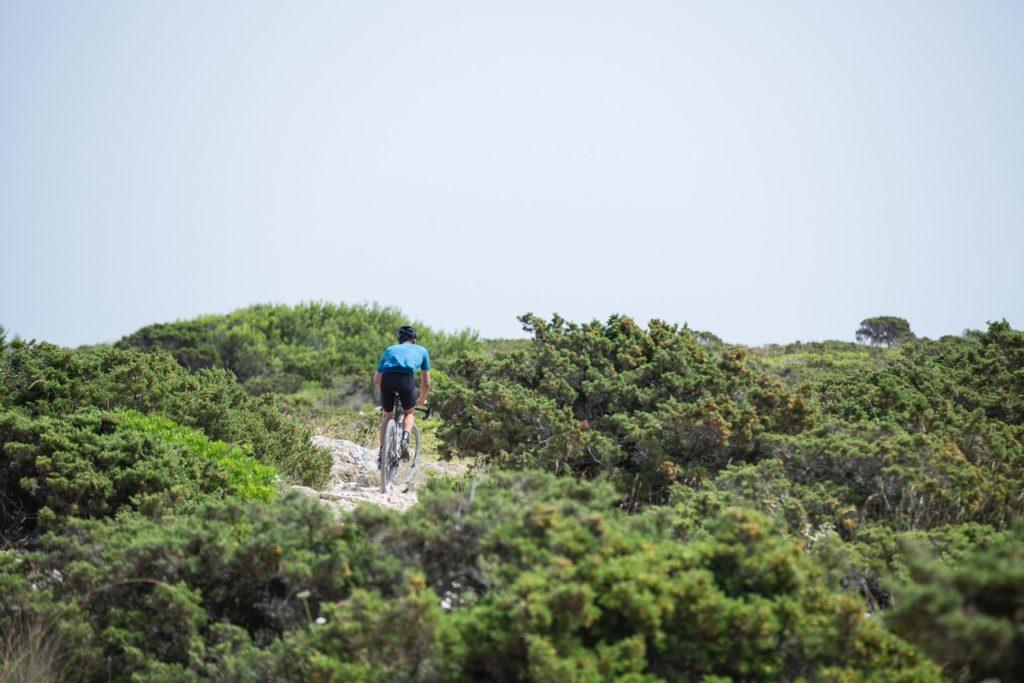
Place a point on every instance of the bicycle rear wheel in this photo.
(405, 470)
(388, 455)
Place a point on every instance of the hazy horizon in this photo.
(769, 173)
(518, 333)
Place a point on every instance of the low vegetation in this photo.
(652, 504)
(39, 380)
(518, 577)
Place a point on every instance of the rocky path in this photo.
(355, 480)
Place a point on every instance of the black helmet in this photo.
(405, 333)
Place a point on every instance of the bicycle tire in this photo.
(401, 477)
(387, 456)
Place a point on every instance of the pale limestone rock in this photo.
(354, 478)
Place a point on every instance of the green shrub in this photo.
(648, 406)
(857, 548)
(45, 380)
(910, 436)
(972, 386)
(910, 481)
(968, 615)
(246, 478)
(521, 576)
(139, 597)
(96, 463)
(369, 637)
(547, 579)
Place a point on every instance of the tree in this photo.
(884, 329)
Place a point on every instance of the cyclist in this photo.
(396, 372)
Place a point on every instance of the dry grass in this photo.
(32, 652)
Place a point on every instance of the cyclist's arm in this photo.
(378, 374)
(426, 388)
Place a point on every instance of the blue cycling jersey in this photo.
(405, 358)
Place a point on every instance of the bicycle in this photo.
(396, 471)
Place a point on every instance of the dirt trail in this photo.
(354, 477)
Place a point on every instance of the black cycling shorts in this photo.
(404, 384)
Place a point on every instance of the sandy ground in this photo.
(355, 480)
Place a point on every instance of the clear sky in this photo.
(769, 171)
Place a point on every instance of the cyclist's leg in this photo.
(407, 394)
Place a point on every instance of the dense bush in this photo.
(162, 597)
(42, 380)
(909, 481)
(920, 437)
(943, 385)
(648, 406)
(967, 615)
(950, 415)
(320, 348)
(554, 582)
(533, 577)
(867, 451)
(95, 463)
(244, 476)
(857, 551)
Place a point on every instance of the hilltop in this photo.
(316, 356)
